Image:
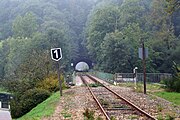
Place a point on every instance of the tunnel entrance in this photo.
(82, 65)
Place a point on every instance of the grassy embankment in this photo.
(170, 96)
(44, 109)
(157, 90)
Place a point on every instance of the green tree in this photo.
(114, 47)
(173, 5)
(25, 26)
(101, 21)
(127, 18)
(17, 51)
(4, 49)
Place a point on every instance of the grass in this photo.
(88, 114)
(65, 114)
(151, 88)
(127, 84)
(170, 96)
(95, 85)
(1, 43)
(2, 90)
(44, 109)
(157, 90)
(154, 87)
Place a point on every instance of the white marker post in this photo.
(0, 105)
(56, 55)
(135, 75)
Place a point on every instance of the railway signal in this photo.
(56, 55)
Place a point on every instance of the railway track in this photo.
(113, 106)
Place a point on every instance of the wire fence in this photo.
(135, 81)
(131, 77)
(104, 76)
(150, 77)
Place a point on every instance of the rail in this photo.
(128, 102)
(100, 106)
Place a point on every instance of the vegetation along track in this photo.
(113, 106)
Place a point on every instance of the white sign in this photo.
(56, 54)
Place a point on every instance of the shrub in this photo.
(24, 103)
(17, 86)
(173, 83)
(88, 114)
(51, 83)
(177, 83)
(95, 85)
(169, 117)
(28, 93)
(138, 88)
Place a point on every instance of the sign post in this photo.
(56, 55)
(143, 54)
(144, 66)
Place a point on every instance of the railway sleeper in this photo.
(115, 108)
(123, 113)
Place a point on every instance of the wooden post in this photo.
(144, 66)
(59, 77)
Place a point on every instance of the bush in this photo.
(88, 114)
(173, 84)
(17, 86)
(28, 93)
(24, 103)
(51, 83)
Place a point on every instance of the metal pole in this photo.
(144, 66)
(59, 78)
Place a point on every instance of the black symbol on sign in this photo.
(56, 54)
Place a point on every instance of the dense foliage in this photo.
(28, 100)
(28, 30)
(115, 31)
(109, 31)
